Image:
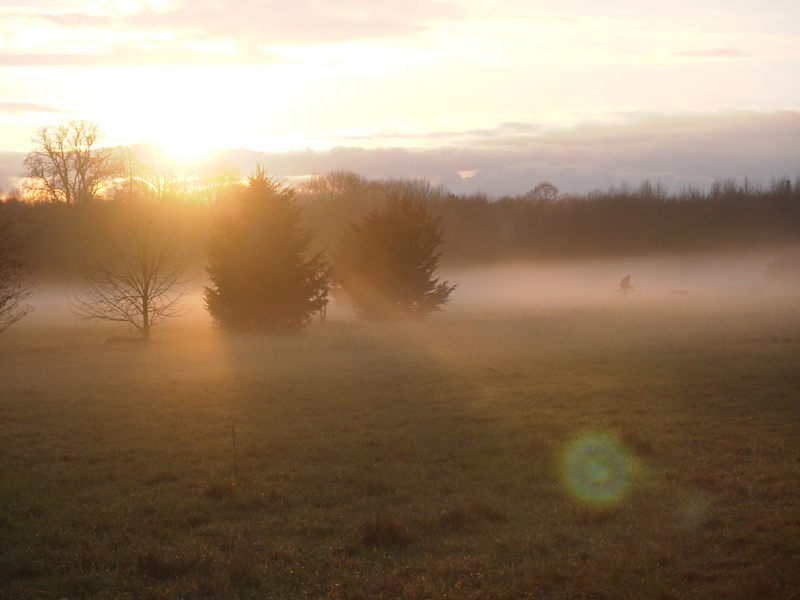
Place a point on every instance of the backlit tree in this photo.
(386, 263)
(67, 165)
(263, 277)
(137, 275)
(14, 288)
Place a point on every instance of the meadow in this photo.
(421, 460)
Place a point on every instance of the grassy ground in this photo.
(423, 461)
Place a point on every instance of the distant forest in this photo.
(543, 224)
(540, 225)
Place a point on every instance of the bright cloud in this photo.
(675, 150)
(452, 77)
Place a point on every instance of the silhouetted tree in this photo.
(14, 288)
(141, 176)
(262, 277)
(545, 191)
(67, 165)
(220, 184)
(138, 276)
(386, 263)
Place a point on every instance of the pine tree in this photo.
(386, 263)
(261, 278)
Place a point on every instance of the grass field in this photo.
(414, 461)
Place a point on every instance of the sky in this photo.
(472, 94)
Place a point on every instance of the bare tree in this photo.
(14, 288)
(141, 176)
(131, 186)
(138, 278)
(545, 191)
(67, 165)
(220, 184)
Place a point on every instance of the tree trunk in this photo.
(145, 318)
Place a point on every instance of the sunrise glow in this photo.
(185, 144)
(494, 98)
(399, 299)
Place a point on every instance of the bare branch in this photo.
(14, 289)
(67, 165)
(140, 278)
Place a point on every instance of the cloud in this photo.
(132, 56)
(171, 34)
(305, 21)
(677, 151)
(60, 18)
(712, 53)
(265, 22)
(11, 168)
(16, 108)
(504, 131)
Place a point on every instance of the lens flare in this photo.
(597, 469)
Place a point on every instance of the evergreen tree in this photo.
(386, 263)
(262, 279)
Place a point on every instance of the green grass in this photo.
(417, 461)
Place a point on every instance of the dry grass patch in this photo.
(405, 461)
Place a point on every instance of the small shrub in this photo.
(244, 567)
(385, 533)
(454, 519)
(156, 566)
(641, 446)
(489, 512)
(218, 490)
(376, 488)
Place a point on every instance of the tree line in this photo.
(339, 228)
(544, 224)
(263, 273)
(540, 224)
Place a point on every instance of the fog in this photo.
(587, 282)
(708, 280)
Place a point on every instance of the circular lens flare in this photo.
(597, 470)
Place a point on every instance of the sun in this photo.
(187, 132)
(183, 150)
(186, 144)
(200, 113)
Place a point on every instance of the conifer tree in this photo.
(262, 278)
(385, 264)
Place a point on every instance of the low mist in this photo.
(520, 286)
